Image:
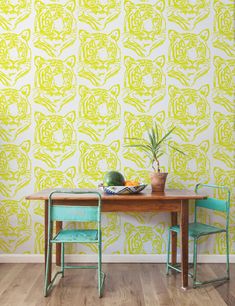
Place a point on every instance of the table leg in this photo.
(173, 239)
(184, 243)
(58, 245)
(46, 239)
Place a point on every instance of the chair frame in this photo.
(101, 275)
(204, 204)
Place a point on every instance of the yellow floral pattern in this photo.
(54, 178)
(145, 27)
(55, 27)
(55, 138)
(99, 111)
(138, 238)
(223, 27)
(189, 56)
(144, 82)
(54, 82)
(97, 13)
(15, 60)
(15, 168)
(15, 112)
(99, 56)
(136, 128)
(195, 166)
(189, 110)
(78, 78)
(15, 224)
(95, 159)
(187, 14)
(13, 12)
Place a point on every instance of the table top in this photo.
(146, 195)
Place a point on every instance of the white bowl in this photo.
(124, 189)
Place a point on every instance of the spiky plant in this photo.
(154, 145)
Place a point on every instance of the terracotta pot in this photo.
(158, 180)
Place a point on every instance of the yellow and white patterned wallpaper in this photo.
(77, 77)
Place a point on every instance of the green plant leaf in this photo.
(150, 138)
(157, 135)
(154, 141)
(166, 135)
(144, 147)
(160, 154)
(176, 149)
(153, 145)
(133, 138)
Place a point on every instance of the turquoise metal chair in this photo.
(197, 230)
(75, 214)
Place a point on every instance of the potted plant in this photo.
(154, 146)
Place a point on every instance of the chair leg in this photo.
(99, 270)
(46, 284)
(100, 273)
(227, 255)
(168, 252)
(194, 262)
(62, 259)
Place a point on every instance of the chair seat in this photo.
(197, 229)
(76, 235)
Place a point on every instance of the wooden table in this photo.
(172, 201)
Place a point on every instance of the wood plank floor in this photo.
(126, 285)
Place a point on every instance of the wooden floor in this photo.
(126, 285)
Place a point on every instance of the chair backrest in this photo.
(74, 213)
(81, 213)
(213, 203)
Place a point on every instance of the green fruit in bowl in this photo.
(113, 178)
